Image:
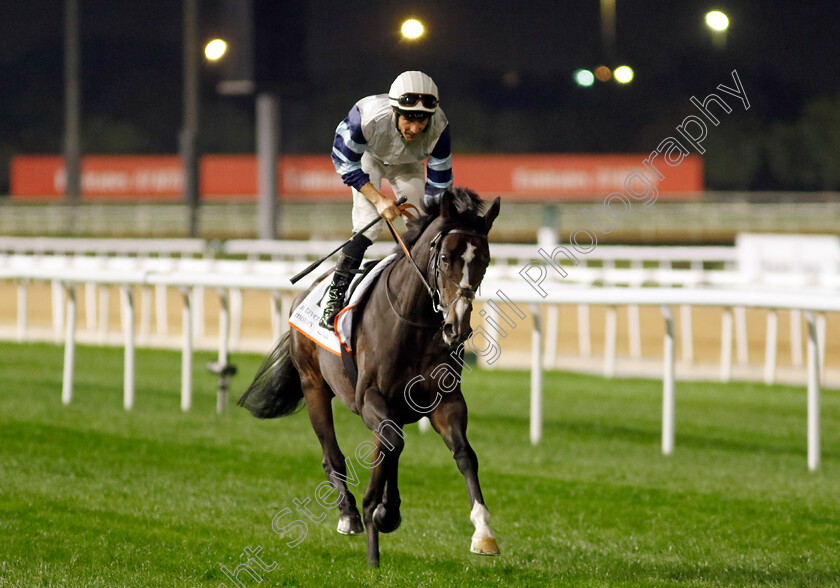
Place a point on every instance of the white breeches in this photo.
(408, 179)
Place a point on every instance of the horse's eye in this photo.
(444, 259)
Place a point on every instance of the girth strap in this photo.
(350, 366)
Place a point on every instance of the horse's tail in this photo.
(276, 389)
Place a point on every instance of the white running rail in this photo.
(517, 292)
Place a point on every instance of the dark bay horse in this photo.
(409, 353)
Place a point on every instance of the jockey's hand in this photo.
(387, 208)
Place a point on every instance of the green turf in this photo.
(92, 495)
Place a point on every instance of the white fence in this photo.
(224, 277)
(615, 266)
(813, 305)
(732, 278)
(686, 267)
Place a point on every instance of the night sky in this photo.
(503, 67)
(796, 39)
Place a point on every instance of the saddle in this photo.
(346, 325)
(306, 315)
(363, 271)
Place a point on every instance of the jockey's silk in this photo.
(370, 128)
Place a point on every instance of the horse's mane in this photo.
(468, 206)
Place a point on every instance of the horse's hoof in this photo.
(350, 525)
(381, 523)
(484, 546)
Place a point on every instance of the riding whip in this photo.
(315, 264)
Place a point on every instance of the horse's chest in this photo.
(422, 389)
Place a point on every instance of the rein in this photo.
(417, 269)
(467, 294)
(390, 270)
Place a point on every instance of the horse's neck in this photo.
(421, 251)
(406, 281)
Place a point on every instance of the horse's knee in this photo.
(391, 437)
(466, 459)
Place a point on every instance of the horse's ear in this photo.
(492, 213)
(446, 207)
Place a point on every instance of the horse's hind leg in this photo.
(318, 399)
(450, 421)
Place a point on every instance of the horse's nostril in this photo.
(449, 330)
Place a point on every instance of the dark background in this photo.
(504, 69)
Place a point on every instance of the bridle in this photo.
(467, 294)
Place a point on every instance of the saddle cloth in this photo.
(307, 314)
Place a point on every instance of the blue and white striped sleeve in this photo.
(348, 147)
(439, 165)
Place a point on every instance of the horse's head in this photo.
(459, 258)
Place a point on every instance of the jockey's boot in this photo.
(349, 261)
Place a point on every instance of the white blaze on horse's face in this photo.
(462, 305)
(458, 326)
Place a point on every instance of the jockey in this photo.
(387, 136)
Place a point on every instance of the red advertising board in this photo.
(307, 177)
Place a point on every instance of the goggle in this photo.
(411, 99)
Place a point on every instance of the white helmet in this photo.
(414, 94)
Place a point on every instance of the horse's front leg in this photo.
(387, 516)
(450, 421)
(373, 494)
(381, 512)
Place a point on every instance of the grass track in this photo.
(91, 495)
